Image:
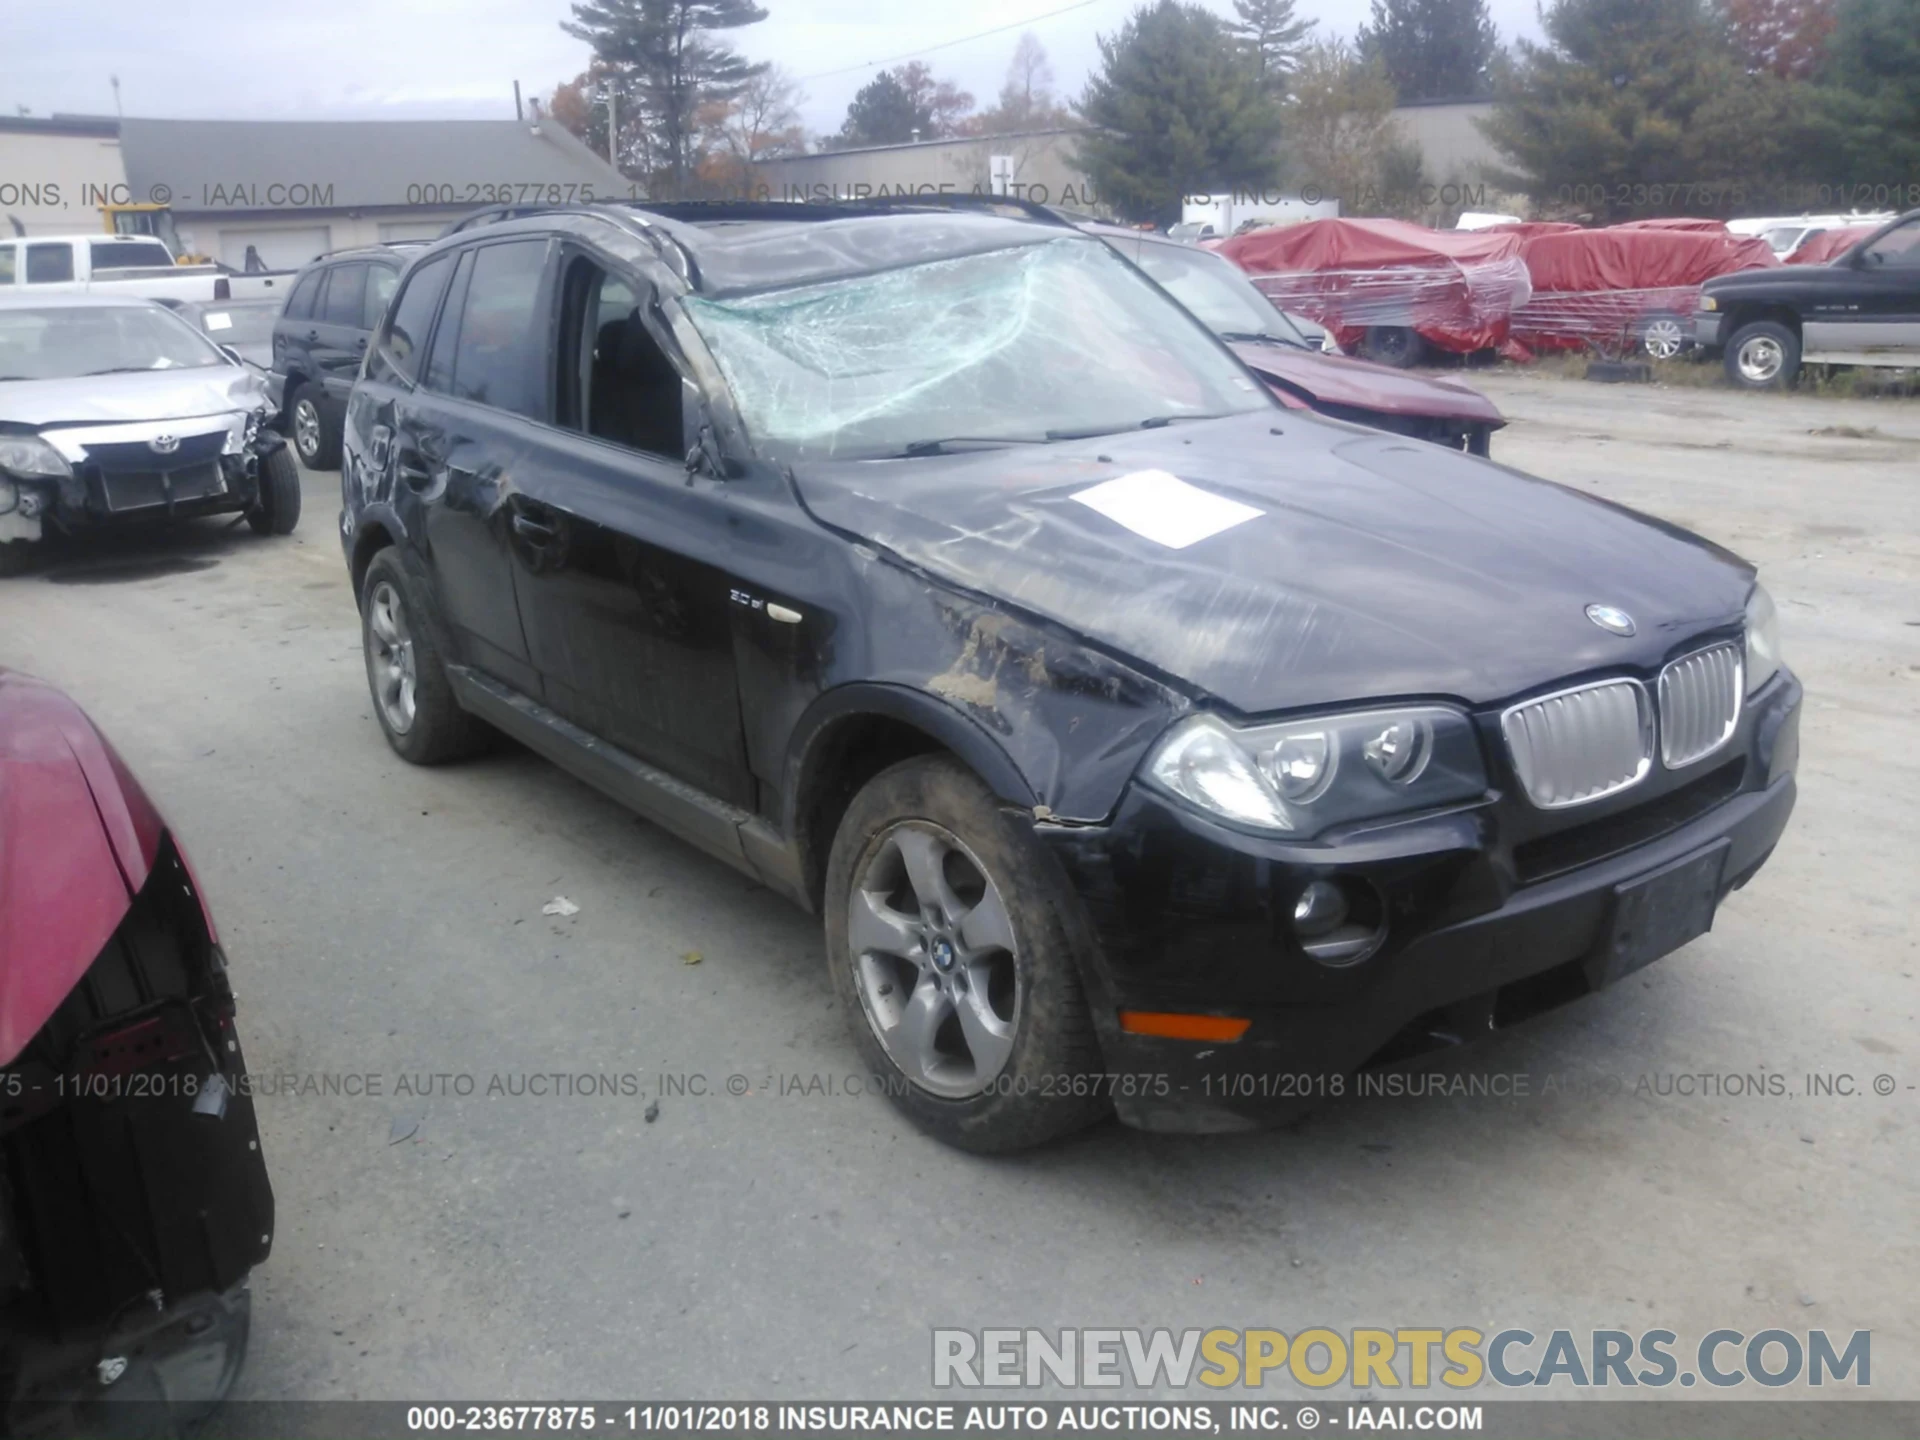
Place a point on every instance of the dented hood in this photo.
(1375, 566)
(1362, 385)
(141, 395)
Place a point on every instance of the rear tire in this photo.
(951, 955)
(316, 433)
(1395, 345)
(277, 510)
(1763, 355)
(412, 697)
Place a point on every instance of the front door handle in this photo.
(534, 532)
(412, 473)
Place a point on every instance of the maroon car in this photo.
(1275, 346)
(134, 1201)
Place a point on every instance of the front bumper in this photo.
(1493, 912)
(1707, 325)
(92, 497)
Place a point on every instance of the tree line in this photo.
(1625, 106)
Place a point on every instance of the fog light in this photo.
(31, 502)
(1320, 908)
(1339, 922)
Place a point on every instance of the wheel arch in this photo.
(374, 532)
(852, 733)
(1748, 312)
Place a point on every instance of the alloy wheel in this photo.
(390, 657)
(935, 960)
(306, 429)
(1760, 359)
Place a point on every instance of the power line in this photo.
(949, 44)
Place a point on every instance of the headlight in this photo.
(1707, 302)
(1763, 639)
(32, 457)
(1304, 776)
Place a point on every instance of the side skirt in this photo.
(743, 840)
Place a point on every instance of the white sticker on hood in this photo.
(1165, 508)
(219, 320)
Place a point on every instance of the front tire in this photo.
(316, 434)
(1764, 355)
(952, 957)
(277, 510)
(412, 697)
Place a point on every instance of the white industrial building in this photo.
(289, 189)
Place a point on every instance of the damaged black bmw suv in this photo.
(1146, 746)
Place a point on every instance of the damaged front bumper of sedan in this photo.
(1240, 980)
(69, 479)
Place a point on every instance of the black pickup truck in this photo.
(1862, 309)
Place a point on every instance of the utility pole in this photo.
(518, 113)
(613, 126)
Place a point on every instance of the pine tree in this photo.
(1175, 110)
(1433, 49)
(884, 113)
(1870, 93)
(1272, 37)
(663, 47)
(1600, 116)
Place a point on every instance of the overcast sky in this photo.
(369, 59)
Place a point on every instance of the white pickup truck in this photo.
(132, 265)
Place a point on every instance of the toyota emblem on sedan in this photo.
(164, 444)
(1613, 620)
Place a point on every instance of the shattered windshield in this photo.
(1031, 343)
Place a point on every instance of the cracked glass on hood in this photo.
(1033, 343)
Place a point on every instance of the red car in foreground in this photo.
(1297, 370)
(134, 1200)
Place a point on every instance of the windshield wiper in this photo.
(942, 446)
(127, 370)
(1152, 422)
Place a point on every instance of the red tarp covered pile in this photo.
(1457, 288)
(1827, 246)
(1617, 288)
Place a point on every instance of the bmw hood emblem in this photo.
(1611, 619)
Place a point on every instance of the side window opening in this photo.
(616, 384)
(446, 335)
(300, 303)
(406, 329)
(380, 282)
(50, 264)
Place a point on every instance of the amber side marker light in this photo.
(1222, 1029)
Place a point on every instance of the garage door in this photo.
(411, 229)
(287, 249)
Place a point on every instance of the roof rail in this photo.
(355, 249)
(697, 210)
